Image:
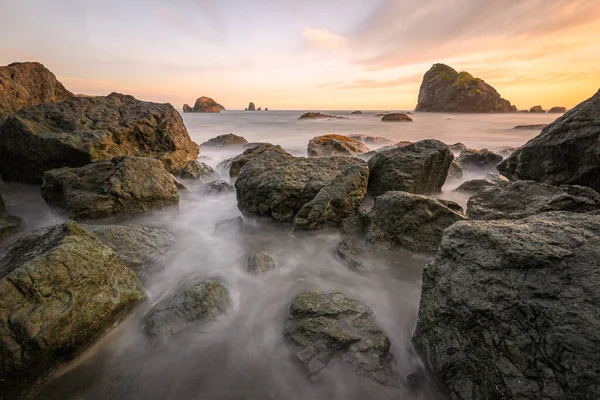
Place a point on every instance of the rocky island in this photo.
(204, 105)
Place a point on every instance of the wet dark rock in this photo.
(27, 84)
(259, 263)
(474, 185)
(236, 163)
(83, 130)
(457, 148)
(121, 186)
(420, 167)
(349, 252)
(509, 309)
(60, 290)
(356, 113)
(324, 327)
(8, 223)
(198, 171)
(317, 115)
(445, 90)
(199, 303)
(565, 152)
(229, 140)
(472, 159)
(536, 109)
(505, 151)
(532, 126)
(217, 187)
(396, 117)
(557, 110)
(335, 145)
(455, 171)
(520, 199)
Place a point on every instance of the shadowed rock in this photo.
(532, 126)
(472, 159)
(356, 112)
(8, 223)
(217, 187)
(536, 109)
(474, 185)
(198, 171)
(557, 110)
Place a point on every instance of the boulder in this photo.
(520, 199)
(349, 252)
(217, 187)
(485, 159)
(206, 105)
(506, 151)
(396, 117)
(356, 113)
(121, 186)
(335, 145)
(531, 126)
(83, 130)
(198, 171)
(474, 185)
(251, 107)
(8, 223)
(280, 186)
(455, 171)
(26, 84)
(60, 290)
(557, 110)
(259, 263)
(143, 250)
(566, 152)
(420, 167)
(187, 108)
(371, 140)
(236, 163)
(445, 90)
(324, 327)
(536, 109)
(509, 309)
(401, 220)
(229, 140)
(317, 115)
(457, 148)
(199, 303)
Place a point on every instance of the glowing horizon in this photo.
(290, 54)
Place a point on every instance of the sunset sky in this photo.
(308, 54)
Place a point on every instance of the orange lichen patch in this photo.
(327, 138)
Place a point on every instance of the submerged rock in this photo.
(317, 115)
(532, 126)
(564, 153)
(520, 199)
(83, 130)
(420, 167)
(199, 303)
(396, 117)
(506, 151)
(335, 145)
(324, 327)
(198, 171)
(371, 140)
(356, 112)
(479, 159)
(121, 186)
(229, 140)
(231, 225)
(536, 109)
(557, 110)
(60, 290)
(27, 84)
(236, 163)
(259, 263)
(217, 187)
(349, 252)
(457, 148)
(474, 185)
(8, 223)
(445, 90)
(509, 309)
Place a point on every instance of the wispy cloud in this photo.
(322, 40)
(375, 84)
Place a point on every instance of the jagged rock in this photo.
(187, 108)
(229, 140)
(565, 152)
(409, 221)
(60, 290)
(317, 115)
(474, 185)
(536, 109)
(231, 225)
(198, 171)
(280, 186)
(396, 117)
(455, 171)
(8, 223)
(143, 250)
(236, 163)
(199, 303)
(322, 327)
(356, 112)
(520, 199)
(509, 309)
(557, 110)
(83, 130)
(259, 263)
(251, 107)
(27, 84)
(445, 90)
(458, 148)
(472, 159)
(121, 186)
(348, 251)
(335, 145)
(204, 105)
(371, 140)
(217, 187)
(420, 167)
(532, 126)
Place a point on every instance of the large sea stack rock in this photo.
(280, 186)
(251, 107)
(60, 289)
(557, 110)
(420, 167)
(222, 141)
(445, 90)
(471, 159)
(28, 84)
(566, 152)
(206, 105)
(84, 130)
(520, 199)
(509, 309)
(335, 145)
(121, 186)
(236, 163)
(325, 327)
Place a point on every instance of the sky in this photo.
(308, 54)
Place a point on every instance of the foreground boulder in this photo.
(26, 84)
(420, 167)
(8, 223)
(121, 186)
(472, 159)
(324, 327)
(565, 152)
(474, 185)
(198, 303)
(445, 90)
(229, 140)
(84, 130)
(280, 186)
(396, 117)
(259, 263)
(236, 163)
(509, 309)
(143, 250)
(557, 110)
(520, 199)
(60, 289)
(204, 105)
(335, 145)
(197, 170)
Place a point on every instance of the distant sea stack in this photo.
(557, 110)
(536, 109)
(445, 90)
(251, 107)
(204, 105)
